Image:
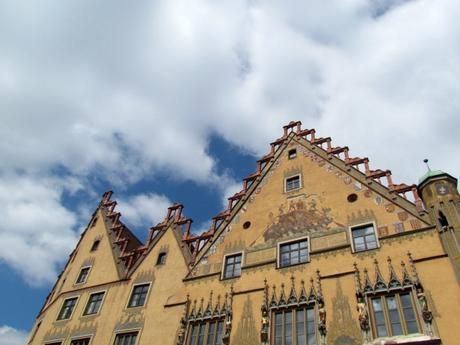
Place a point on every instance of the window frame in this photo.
(289, 241)
(299, 175)
(104, 292)
(131, 294)
(224, 265)
(97, 243)
(293, 310)
(292, 153)
(360, 226)
(206, 322)
(402, 318)
(73, 308)
(89, 267)
(82, 337)
(127, 331)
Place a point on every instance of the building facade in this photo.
(317, 248)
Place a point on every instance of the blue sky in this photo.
(175, 100)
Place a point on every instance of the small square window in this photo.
(126, 338)
(293, 253)
(67, 308)
(292, 154)
(95, 245)
(293, 183)
(94, 303)
(161, 258)
(138, 296)
(83, 275)
(232, 266)
(364, 238)
(84, 341)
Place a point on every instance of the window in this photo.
(161, 259)
(94, 303)
(83, 275)
(232, 266)
(95, 245)
(84, 341)
(292, 154)
(394, 315)
(294, 327)
(293, 253)
(206, 333)
(67, 308)
(364, 238)
(126, 338)
(138, 295)
(292, 183)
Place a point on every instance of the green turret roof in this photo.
(430, 173)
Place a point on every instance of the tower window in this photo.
(232, 266)
(443, 220)
(364, 238)
(161, 258)
(83, 275)
(138, 296)
(292, 183)
(292, 154)
(95, 245)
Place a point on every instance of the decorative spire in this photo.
(367, 282)
(209, 307)
(312, 294)
(273, 301)
(318, 283)
(217, 308)
(394, 281)
(303, 293)
(282, 300)
(406, 278)
(427, 166)
(379, 281)
(416, 280)
(292, 295)
(358, 285)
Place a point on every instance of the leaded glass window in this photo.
(294, 327)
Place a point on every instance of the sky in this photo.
(175, 100)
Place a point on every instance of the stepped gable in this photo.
(129, 249)
(293, 131)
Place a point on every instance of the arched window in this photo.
(161, 258)
(443, 220)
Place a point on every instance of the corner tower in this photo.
(442, 200)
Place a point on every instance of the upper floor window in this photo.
(232, 266)
(293, 253)
(94, 303)
(292, 154)
(207, 332)
(84, 341)
(294, 327)
(138, 295)
(126, 338)
(161, 258)
(292, 183)
(393, 314)
(95, 245)
(364, 238)
(67, 308)
(83, 275)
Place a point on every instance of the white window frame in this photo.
(292, 240)
(289, 177)
(87, 301)
(127, 307)
(73, 310)
(222, 273)
(79, 272)
(350, 234)
(129, 330)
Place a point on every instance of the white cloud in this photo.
(124, 91)
(144, 209)
(12, 336)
